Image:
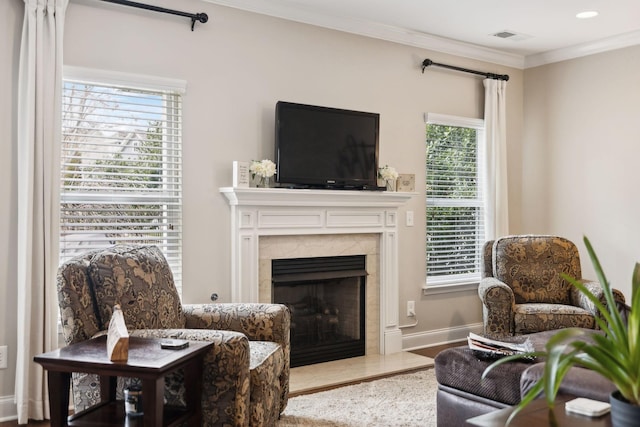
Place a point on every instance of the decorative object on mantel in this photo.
(389, 175)
(117, 337)
(261, 172)
(240, 174)
(406, 182)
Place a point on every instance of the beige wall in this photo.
(236, 67)
(581, 148)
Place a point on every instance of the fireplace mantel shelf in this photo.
(303, 197)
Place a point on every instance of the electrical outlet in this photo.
(3, 356)
(411, 308)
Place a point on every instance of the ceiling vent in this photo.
(511, 35)
(505, 34)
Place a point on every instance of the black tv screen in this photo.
(326, 147)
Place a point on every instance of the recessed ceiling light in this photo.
(587, 14)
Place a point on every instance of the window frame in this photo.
(461, 282)
(138, 82)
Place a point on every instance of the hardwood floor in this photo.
(31, 423)
(427, 351)
(432, 351)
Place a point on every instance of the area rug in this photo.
(407, 400)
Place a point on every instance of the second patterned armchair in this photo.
(246, 374)
(522, 291)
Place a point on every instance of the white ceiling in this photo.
(547, 30)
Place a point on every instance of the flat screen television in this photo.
(321, 147)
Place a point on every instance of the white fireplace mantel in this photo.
(259, 212)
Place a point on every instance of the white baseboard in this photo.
(439, 336)
(8, 411)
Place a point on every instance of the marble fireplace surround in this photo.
(275, 223)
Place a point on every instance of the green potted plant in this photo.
(614, 354)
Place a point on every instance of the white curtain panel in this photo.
(497, 206)
(39, 112)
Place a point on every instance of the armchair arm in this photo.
(259, 322)
(578, 299)
(225, 379)
(497, 307)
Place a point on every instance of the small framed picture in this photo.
(406, 182)
(240, 174)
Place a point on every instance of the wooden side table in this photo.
(147, 361)
(537, 414)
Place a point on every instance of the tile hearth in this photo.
(321, 376)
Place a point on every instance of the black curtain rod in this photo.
(202, 17)
(427, 62)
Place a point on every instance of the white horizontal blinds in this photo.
(121, 173)
(455, 220)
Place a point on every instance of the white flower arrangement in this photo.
(387, 173)
(262, 168)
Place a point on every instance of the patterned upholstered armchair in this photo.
(246, 374)
(521, 289)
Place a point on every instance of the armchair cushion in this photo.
(531, 266)
(140, 280)
(536, 317)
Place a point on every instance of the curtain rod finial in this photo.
(425, 64)
(202, 17)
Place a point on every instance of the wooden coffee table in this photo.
(146, 361)
(537, 414)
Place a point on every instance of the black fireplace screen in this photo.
(326, 297)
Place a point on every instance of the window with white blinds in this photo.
(455, 219)
(121, 169)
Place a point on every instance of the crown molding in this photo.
(428, 41)
(584, 49)
(378, 31)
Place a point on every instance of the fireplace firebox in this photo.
(326, 297)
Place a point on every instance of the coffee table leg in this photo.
(59, 383)
(153, 401)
